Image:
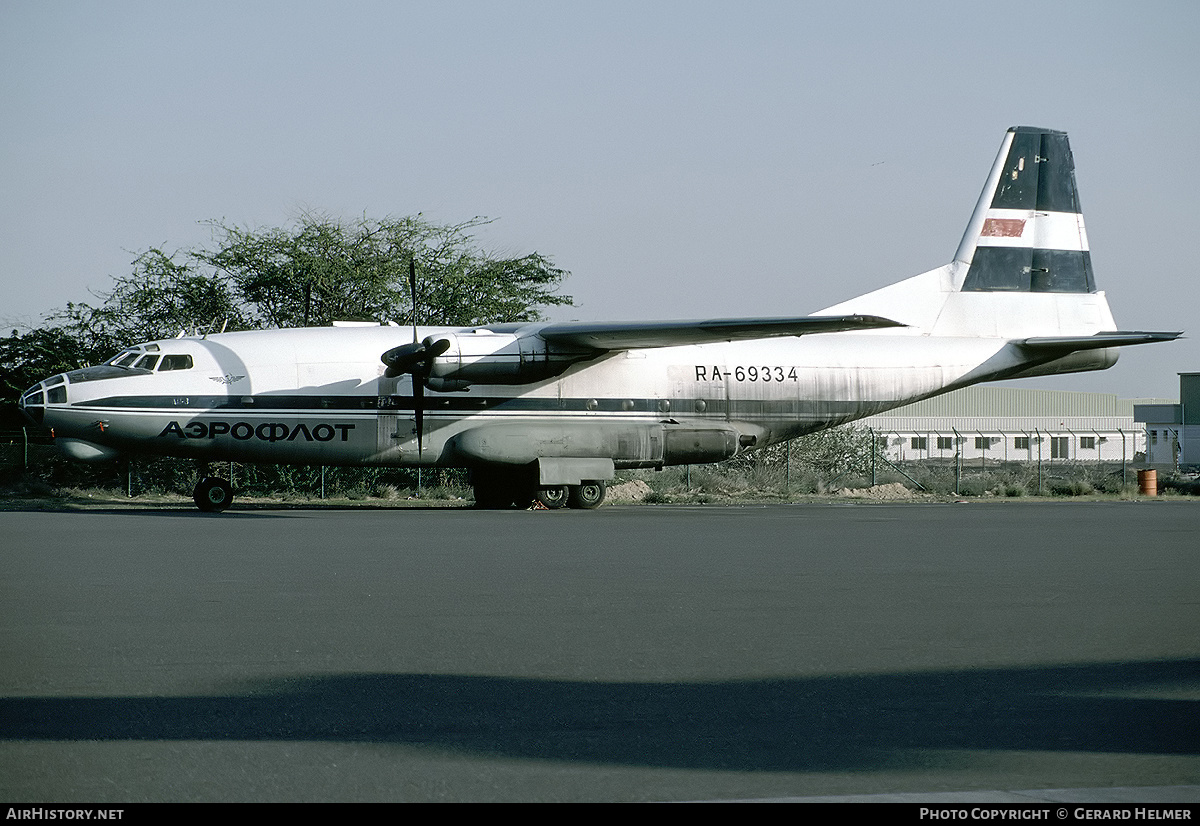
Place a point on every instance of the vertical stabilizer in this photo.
(1027, 233)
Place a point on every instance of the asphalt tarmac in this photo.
(626, 654)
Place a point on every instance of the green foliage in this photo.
(29, 357)
(159, 299)
(831, 453)
(310, 274)
(325, 269)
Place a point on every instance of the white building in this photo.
(1015, 425)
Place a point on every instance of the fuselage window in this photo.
(175, 363)
(148, 362)
(126, 360)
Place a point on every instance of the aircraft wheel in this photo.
(212, 495)
(554, 497)
(588, 495)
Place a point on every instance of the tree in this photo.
(325, 269)
(161, 298)
(27, 358)
(318, 271)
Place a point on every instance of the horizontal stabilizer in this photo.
(633, 335)
(1119, 338)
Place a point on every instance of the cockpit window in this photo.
(126, 359)
(175, 363)
(148, 362)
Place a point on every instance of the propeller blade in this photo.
(412, 289)
(417, 359)
(418, 386)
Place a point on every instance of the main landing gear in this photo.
(501, 489)
(212, 495)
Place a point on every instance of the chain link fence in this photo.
(832, 461)
(31, 465)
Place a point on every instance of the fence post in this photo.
(958, 443)
(1039, 444)
(25, 436)
(1122, 432)
(871, 431)
(787, 475)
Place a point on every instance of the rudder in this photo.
(1027, 232)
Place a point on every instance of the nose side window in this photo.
(148, 362)
(175, 363)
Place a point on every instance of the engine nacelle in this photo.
(485, 357)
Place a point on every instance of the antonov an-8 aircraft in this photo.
(549, 411)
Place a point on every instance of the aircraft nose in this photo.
(33, 404)
(34, 400)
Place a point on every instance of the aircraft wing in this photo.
(634, 335)
(1116, 338)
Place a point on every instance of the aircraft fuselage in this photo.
(319, 396)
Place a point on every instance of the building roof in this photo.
(1003, 409)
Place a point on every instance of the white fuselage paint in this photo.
(320, 396)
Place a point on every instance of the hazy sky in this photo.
(680, 159)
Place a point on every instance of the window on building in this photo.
(1021, 443)
(1060, 447)
(982, 442)
(1087, 442)
(945, 443)
(919, 443)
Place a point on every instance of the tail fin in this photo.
(1022, 273)
(1022, 269)
(1027, 232)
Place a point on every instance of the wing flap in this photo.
(635, 335)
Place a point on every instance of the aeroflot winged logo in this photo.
(226, 379)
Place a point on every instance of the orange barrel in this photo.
(1148, 482)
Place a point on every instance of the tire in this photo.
(212, 495)
(554, 497)
(587, 496)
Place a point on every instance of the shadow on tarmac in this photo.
(847, 723)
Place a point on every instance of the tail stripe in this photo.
(1028, 234)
